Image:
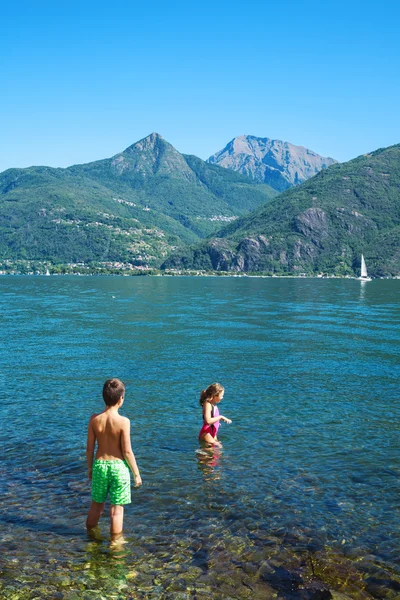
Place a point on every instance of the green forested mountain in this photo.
(134, 207)
(322, 225)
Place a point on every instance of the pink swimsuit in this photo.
(211, 429)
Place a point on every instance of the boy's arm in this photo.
(91, 440)
(127, 451)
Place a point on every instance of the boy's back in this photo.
(109, 430)
(110, 471)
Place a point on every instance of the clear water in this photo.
(304, 494)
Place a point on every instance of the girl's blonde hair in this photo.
(213, 390)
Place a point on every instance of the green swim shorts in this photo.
(111, 477)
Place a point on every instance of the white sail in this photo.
(364, 272)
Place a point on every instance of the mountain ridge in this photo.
(279, 164)
(322, 225)
(135, 206)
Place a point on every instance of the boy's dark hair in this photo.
(113, 390)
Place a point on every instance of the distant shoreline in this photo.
(194, 275)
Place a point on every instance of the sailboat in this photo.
(364, 273)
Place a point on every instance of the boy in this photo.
(109, 473)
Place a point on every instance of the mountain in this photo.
(320, 226)
(134, 207)
(278, 164)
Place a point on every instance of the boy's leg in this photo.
(99, 492)
(94, 515)
(120, 494)
(117, 519)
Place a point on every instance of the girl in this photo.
(209, 398)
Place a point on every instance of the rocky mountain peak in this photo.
(279, 164)
(151, 155)
(147, 143)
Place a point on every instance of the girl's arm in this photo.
(209, 420)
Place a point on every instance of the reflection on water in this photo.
(209, 462)
(303, 496)
(362, 290)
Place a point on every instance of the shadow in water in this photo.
(291, 585)
(33, 524)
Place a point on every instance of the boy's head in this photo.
(113, 391)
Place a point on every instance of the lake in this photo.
(304, 495)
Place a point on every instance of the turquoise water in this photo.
(304, 494)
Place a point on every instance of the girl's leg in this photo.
(117, 519)
(208, 438)
(94, 515)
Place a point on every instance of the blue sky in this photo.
(81, 81)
